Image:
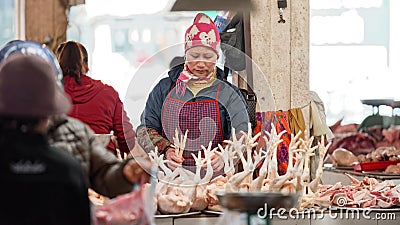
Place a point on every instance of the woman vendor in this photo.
(195, 98)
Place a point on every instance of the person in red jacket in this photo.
(94, 103)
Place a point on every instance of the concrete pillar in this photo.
(46, 21)
(281, 51)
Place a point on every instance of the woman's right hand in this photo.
(137, 168)
(174, 160)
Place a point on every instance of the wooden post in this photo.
(46, 21)
(281, 52)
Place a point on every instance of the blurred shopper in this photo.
(94, 102)
(40, 184)
(85, 56)
(104, 173)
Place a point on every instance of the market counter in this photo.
(333, 175)
(342, 217)
(199, 219)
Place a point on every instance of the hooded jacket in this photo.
(40, 184)
(233, 110)
(99, 106)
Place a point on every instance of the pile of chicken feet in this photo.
(181, 190)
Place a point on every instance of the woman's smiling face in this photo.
(201, 60)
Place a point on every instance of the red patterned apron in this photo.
(201, 118)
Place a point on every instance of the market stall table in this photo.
(340, 216)
(333, 175)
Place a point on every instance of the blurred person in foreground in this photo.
(194, 97)
(41, 184)
(94, 103)
(103, 172)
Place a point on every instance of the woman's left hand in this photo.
(217, 162)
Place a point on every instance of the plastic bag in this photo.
(222, 20)
(124, 209)
(128, 209)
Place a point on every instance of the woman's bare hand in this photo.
(136, 169)
(174, 160)
(217, 162)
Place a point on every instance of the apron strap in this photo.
(216, 96)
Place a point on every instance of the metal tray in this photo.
(331, 167)
(382, 175)
(377, 102)
(393, 209)
(177, 215)
(253, 201)
(213, 212)
(396, 104)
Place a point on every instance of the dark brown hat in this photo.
(28, 88)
